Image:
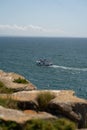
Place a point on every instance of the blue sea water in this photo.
(69, 56)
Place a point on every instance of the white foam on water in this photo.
(69, 68)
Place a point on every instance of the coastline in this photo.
(65, 104)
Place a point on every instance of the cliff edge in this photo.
(64, 104)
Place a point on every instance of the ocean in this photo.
(68, 55)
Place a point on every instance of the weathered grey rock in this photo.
(21, 117)
(27, 99)
(65, 104)
(8, 78)
(70, 106)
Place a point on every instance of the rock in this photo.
(70, 106)
(29, 112)
(27, 99)
(65, 104)
(12, 115)
(32, 95)
(22, 117)
(8, 78)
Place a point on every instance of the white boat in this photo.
(43, 62)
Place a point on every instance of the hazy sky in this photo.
(43, 18)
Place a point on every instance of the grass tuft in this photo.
(21, 80)
(9, 103)
(43, 99)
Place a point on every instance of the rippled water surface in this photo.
(69, 57)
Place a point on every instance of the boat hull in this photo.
(40, 63)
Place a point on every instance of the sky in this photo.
(51, 18)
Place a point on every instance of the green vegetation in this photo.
(64, 124)
(9, 103)
(43, 99)
(9, 125)
(4, 89)
(60, 124)
(21, 80)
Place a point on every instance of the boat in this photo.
(43, 62)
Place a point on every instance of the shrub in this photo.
(21, 80)
(9, 103)
(1, 84)
(60, 124)
(48, 125)
(4, 89)
(64, 124)
(39, 125)
(34, 125)
(43, 99)
(9, 125)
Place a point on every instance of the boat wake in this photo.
(69, 68)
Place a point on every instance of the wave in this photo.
(69, 68)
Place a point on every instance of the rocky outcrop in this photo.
(21, 117)
(70, 106)
(8, 78)
(65, 104)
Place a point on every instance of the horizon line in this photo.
(42, 36)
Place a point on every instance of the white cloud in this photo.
(28, 29)
(22, 28)
(12, 27)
